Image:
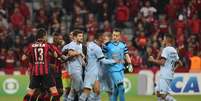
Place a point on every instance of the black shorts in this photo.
(46, 81)
(58, 81)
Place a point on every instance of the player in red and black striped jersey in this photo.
(55, 64)
(38, 54)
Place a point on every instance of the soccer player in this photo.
(75, 64)
(105, 79)
(55, 64)
(95, 56)
(169, 57)
(115, 49)
(38, 55)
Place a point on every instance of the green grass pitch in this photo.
(133, 98)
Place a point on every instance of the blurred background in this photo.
(143, 23)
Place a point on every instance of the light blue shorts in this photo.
(117, 77)
(77, 81)
(89, 80)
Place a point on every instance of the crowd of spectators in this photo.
(143, 22)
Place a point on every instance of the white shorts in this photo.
(77, 82)
(163, 85)
(89, 80)
(106, 82)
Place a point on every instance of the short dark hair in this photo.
(76, 32)
(56, 34)
(116, 30)
(98, 34)
(170, 36)
(41, 32)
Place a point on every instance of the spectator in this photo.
(78, 23)
(104, 13)
(2, 58)
(134, 6)
(55, 23)
(41, 17)
(147, 9)
(106, 26)
(3, 22)
(171, 11)
(17, 19)
(136, 59)
(92, 24)
(27, 28)
(24, 9)
(163, 25)
(10, 61)
(121, 14)
(195, 25)
(180, 27)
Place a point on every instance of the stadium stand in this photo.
(144, 23)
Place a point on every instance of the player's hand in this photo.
(130, 68)
(151, 58)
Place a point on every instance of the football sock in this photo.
(170, 98)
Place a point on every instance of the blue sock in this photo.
(121, 92)
(114, 94)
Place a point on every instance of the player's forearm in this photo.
(159, 62)
(107, 61)
(128, 59)
(179, 64)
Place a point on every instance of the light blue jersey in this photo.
(95, 58)
(117, 51)
(171, 56)
(74, 65)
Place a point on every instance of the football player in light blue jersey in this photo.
(168, 63)
(74, 65)
(104, 77)
(95, 56)
(115, 49)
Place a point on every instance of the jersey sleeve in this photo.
(125, 48)
(64, 48)
(54, 48)
(100, 56)
(105, 49)
(164, 53)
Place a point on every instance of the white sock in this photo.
(83, 97)
(71, 96)
(91, 96)
(170, 98)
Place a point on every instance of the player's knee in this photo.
(53, 90)
(31, 92)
